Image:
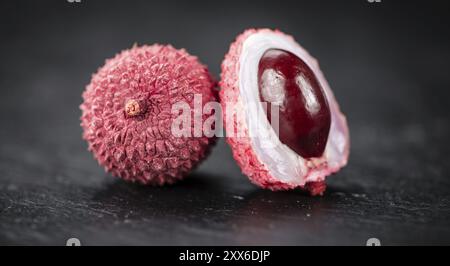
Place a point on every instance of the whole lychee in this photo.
(127, 113)
(302, 136)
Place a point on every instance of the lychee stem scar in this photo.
(132, 108)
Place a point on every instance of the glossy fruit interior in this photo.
(286, 83)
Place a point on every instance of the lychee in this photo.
(127, 113)
(269, 71)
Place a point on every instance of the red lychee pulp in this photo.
(127, 113)
(304, 116)
(270, 68)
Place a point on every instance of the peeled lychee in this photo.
(127, 113)
(266, 71)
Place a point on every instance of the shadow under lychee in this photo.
(204, 203)
(202, 194)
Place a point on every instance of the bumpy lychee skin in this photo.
(267, 161)
(127, 113)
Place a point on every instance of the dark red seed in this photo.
(304, 116)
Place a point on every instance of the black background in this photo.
(387, 64)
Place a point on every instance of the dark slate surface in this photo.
(388, 66)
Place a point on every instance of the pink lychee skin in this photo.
(241, 146)
(142, 148)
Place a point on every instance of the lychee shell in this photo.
(142, 148)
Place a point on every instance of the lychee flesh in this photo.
(126, 113)
(262, 156)
(304, 116)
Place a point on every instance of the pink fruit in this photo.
(311, 140)
(127, 113)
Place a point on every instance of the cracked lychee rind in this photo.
(127, 113)
(274, 166)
